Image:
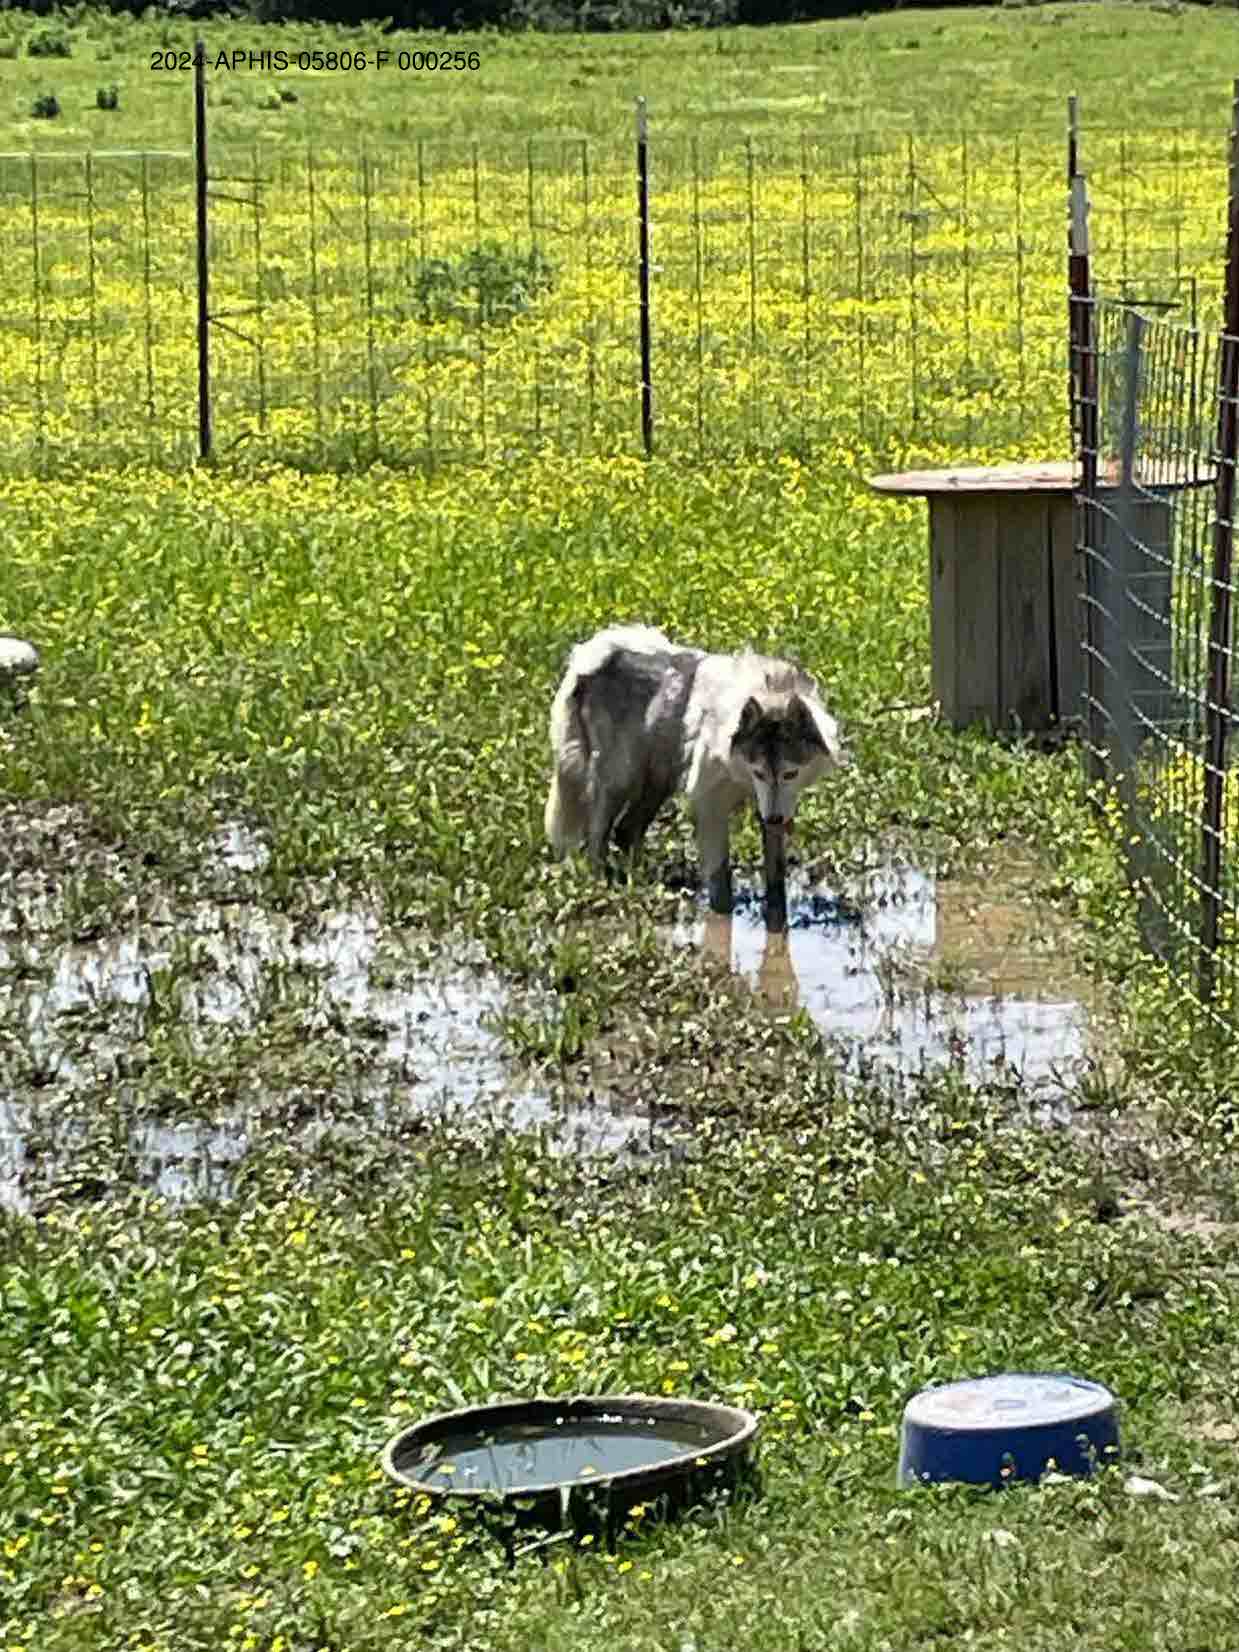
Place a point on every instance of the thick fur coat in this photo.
(638, 718)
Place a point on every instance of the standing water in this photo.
(909, 970)
(538, 1454)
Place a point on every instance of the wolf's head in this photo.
(784, 743)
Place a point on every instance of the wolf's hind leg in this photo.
(637, 819)
(604, 808)
(718, 888)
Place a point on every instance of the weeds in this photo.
(49, 43)
(489, 282)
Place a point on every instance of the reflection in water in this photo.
(776, 976)
(962, 971)
(776, 980)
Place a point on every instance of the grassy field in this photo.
(351, 673)
(989, 69)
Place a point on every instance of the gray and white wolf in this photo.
(638, 718)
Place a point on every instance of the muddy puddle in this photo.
(75, 1017)
(185, 1160)
(384, 1031)
(913, 970)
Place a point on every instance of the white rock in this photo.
(17, 657)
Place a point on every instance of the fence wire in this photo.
(820, 292)
(1153, 598)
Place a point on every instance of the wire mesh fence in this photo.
(96, 296)
(1157, 631)
(822, 292)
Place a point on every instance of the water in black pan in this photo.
(539, 1454)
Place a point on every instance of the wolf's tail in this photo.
(567, 805)
(567, 816)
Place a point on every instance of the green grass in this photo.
(192, 1398)
(196, 1441)
(994, 69)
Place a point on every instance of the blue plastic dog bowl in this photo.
(993, 1430)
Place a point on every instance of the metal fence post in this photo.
(1217, 697)
(1124, 544)
(200, 191)
(643, 276)
(1082, 354)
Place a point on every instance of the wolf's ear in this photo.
(806, 724)
(750, 716)
(816, 726)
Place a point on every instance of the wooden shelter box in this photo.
(1006, 585)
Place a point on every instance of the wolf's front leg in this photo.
(714, 851)
(718, 888)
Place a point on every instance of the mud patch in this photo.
(916, 971)
(122, 1058)
(1192, 1224)
(53, 1154)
